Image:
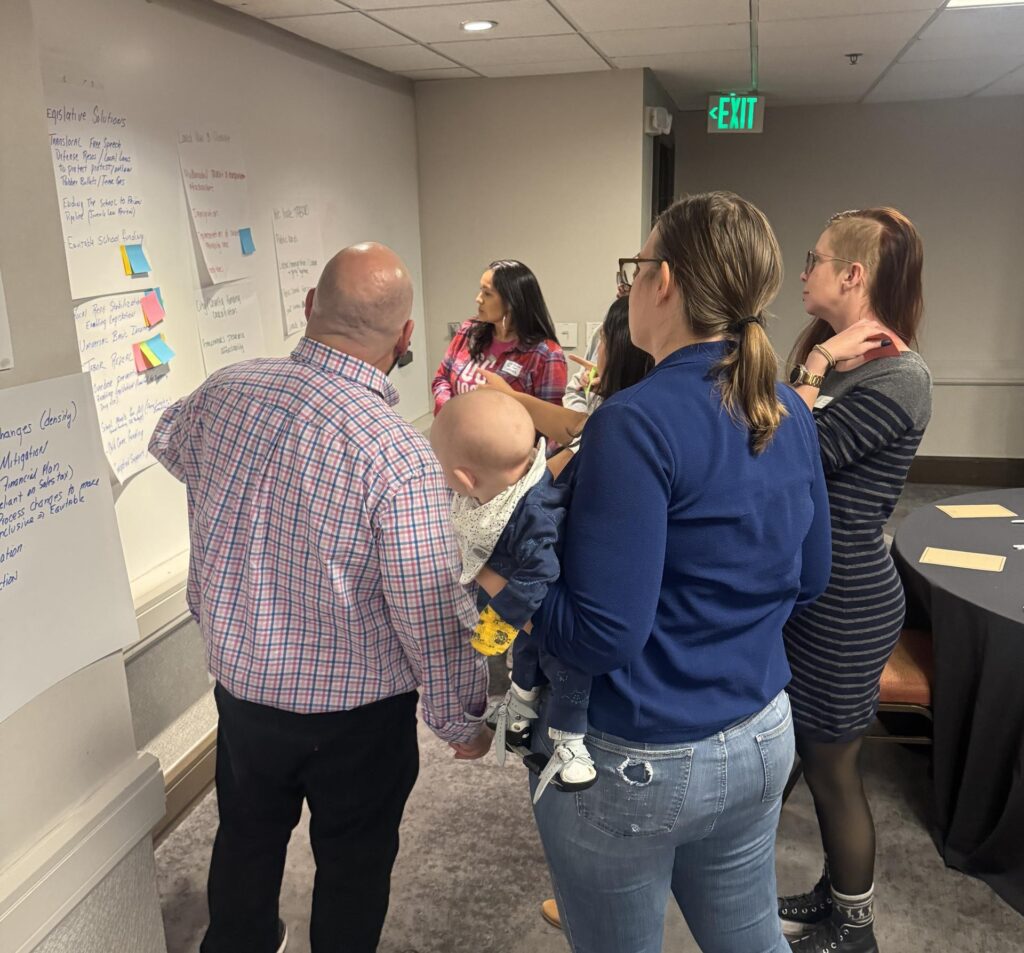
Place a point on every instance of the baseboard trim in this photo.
(968, 471)
(39, 889)
(187, 782)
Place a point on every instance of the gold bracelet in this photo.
(825, 354)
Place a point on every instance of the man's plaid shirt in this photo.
(323, 570)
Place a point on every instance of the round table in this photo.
(977, 624)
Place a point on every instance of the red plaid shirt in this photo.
(538, 369)
(323, 571)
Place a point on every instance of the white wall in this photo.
(957, 169)
(77, 801)
(312, 125)
(548, 170)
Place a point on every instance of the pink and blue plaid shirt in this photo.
(323, 571)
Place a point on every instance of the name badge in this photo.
(822, 402)
(511, 368)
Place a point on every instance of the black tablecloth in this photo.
(977, 620)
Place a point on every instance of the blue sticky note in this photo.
(245, 236)
(161, 349)
(137, 259)
(161, 298)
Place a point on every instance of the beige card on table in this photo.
(963, 560)
(976, 511)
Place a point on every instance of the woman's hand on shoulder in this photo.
(850, 347)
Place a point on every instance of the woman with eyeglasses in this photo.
(511, 334)
(698, 520)
(871, 398)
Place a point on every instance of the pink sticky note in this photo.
(140, 362)
(152, 309)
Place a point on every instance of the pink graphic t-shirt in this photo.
(537, 369)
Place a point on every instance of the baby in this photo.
(507, 514)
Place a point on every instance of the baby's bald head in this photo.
(484, 441)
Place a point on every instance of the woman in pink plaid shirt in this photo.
(511, 335)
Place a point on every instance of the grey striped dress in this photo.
(870, 422)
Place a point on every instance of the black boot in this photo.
(803, 912)
(849, 928)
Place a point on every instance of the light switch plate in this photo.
(566, 334)
(592, 328)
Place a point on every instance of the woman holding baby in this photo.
(698, 521)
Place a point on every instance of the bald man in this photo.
(325, 583)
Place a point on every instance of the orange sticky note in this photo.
(124, 261)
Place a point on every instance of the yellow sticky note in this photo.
(151, 358)
(976, 511)
(960, 559)
(124, 261)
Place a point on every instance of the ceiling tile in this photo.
(538, 49)
(398, 59)
(282, 8)
(341, 31)
(396, 4)
(544, 69)
(689, 77)
(797, 86)
(1012, 85)
(803, 9)
(959, 24)
(722, 36)
(449, 72)
(514, 18)
(965, 47)
(595, 15)
(938, 79)
(800, 74)
(850, 33)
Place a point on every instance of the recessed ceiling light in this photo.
(479, 26)
(953, 4)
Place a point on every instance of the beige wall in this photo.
(548, 170)
(957, 169)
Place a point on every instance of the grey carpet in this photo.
(471, 875)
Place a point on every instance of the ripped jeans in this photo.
(696, 819)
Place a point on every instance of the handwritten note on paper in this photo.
(128, 402)
(6, 350)
(64, 593)
(215, 185)
(299, 257)
(99, 189)
(230, 327)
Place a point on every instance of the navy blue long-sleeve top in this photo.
(684, 553)
(526, 553)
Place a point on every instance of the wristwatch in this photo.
(800, 375)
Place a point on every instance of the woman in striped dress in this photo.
(871, 398)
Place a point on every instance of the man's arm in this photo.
(170, 442)
(431, 614)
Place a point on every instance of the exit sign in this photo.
(735, 112)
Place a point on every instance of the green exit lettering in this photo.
(736, 112)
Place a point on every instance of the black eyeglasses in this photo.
(814, 257)
(629, 268)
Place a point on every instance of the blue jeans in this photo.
(569, 698)
(695, 818)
